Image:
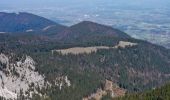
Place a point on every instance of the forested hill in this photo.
(24, 22)
(79, 62)
(87, 30)
(162, 93)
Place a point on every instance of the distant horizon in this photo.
(34, 4)
(56, 10)
(142, 19)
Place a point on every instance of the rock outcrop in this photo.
(110, 88)
(18, 76)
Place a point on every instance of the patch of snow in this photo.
(2, 32)
(30, 30)
(46, 28)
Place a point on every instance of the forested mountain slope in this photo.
(86, 30)
(24, 22)
(76, 62)
(162, 93)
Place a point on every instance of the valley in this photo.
(87, 60)
(145, 22)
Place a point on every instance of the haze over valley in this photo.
(142, 19)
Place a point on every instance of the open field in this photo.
(88, 50)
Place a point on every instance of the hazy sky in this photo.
(34, 3)
(68, 9)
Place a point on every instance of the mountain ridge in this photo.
(98, 53)
(23, 22)
(87, 30)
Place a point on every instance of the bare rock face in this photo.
(113, 89)
(62, 81)
(110, 88)
(18, 76)
(4, 59)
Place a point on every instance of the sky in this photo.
(70, 9)
(54, 9)
(34, 3)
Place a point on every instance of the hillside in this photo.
(88, 31)
(162, 93)
(86, 60)
(23, 22)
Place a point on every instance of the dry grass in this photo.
(124, 44)
(88, 50)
